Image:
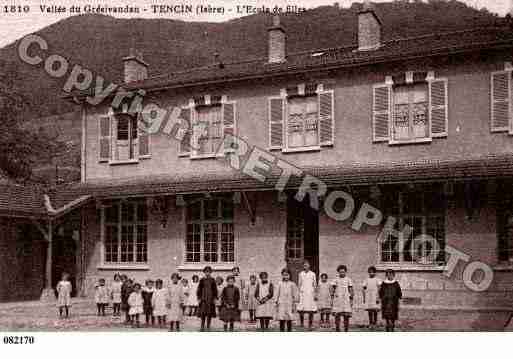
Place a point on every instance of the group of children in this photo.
(210, 297)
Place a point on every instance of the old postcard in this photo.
(256, 166)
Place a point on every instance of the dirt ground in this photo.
(38, 316)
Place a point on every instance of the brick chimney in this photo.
(369, 28)
(277, 42)
(135, 67)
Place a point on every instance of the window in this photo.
(208, 130)
(210, 236)
(302, 122)
(501, 100)
(295, 233)
(125, 233)
(126, 137)
(505, 231)
(410, 113)
(424, 212)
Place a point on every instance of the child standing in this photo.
(159, 301)
(101, 297)
(207, 295)
(307, 289)
(192, 299)
(186, 293)
(115, 294)
(264, 293)
(343, 298)
(250, 298)
(390, 293)
(135, 303)
(230, 299)
(286, 298)
(220, 286)
(64, 295)
(324, 300)
(239, 283)
(175, 302)
(126, 290)
(147, 294)
(371, 296)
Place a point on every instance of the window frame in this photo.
(202, 221)
(119, 224)
(504, 210)
(196, 125)
(401, 217)
(287, 147)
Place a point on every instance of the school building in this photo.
(419, 128)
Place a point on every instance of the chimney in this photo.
(135, 67)
(277, 42)
(369, 28)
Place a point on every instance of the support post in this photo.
(48, 294)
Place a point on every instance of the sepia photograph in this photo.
(256, 167)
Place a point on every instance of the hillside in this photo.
(99, 42)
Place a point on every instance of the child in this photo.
(192, 299)
(64, 294)
(250, 298)
(115, 294)
(230, 299)
(186, 293)
(343, 298)
(324, 300)
(101, 297)
(286, 298)
(371, 296)
(126, 290)
(206, 295)
(175, 302)
(390, 293)
(264, 293)
(220, 286)
(147, 293)
(135, 302)
(239, 283)
(159, 301)
(307, 288)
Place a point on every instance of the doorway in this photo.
(302, 236)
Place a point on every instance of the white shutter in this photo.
(143, 137)
(381, 112)
(105, 138)
(500, 101)
(326, 117)
(229, 123)
(276, 117)
(186, 131)
(438, 107)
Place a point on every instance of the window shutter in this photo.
(381, 112)
(276, 114)
(500, 101)
(326, 117)
(143, 137)
(438, 115)
(185, 142)
(105, 138)
(229, 123)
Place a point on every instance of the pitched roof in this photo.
(21, 201)
(348, 56)
(485, 167)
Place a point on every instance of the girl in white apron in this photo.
(307, 289)
(342, 298)
(371, 296)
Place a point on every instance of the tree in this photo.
(20, 146)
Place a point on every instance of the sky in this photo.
(16, 24)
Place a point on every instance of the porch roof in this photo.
(21, 201)
(483, 167)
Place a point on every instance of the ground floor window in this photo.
(423, 210)
(125, 233)
(505, 231)
(210, 237)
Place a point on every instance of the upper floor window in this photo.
(424, 212)
(210, 235)
(501, 100)
(413, 109)
(125, 233)
(206, 122)
(301, 119)
(121, 138)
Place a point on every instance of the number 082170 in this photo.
(15, 339)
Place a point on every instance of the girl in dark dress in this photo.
(147, 294)
(230, 297)
(207, 296)
(126, 290)
(390, 294)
